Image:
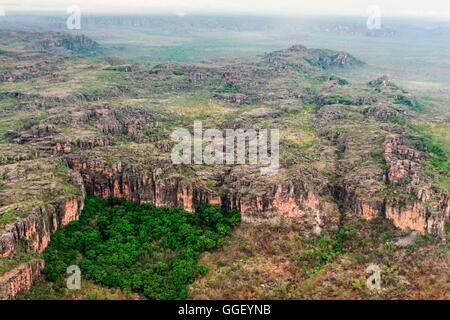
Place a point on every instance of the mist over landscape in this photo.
(98, 99)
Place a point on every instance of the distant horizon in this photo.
(56, 13)
(432, 9)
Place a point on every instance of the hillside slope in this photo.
(72, 124)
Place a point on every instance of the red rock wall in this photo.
(20, 279)
(292, 201)
(32, 233)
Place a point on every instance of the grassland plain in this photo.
(98, 120)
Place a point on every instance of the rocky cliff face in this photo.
(75, 43)
(421, 208)
(343, 150)
(401, 194)
(20, 279)
(384, 182)
(33, 232)
(30, 233)
(291, 201)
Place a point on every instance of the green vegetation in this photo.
(342, 99)
(9, 217)
(231, 88)
(343, 82)
(117, 68)
(279, 262)
(409, 102)
(139, 248)
(26, 123)
(43, 290)
(8, 264)
(378, 157)
(67, 187)
(321, 251)
(79, 44)
(329, 58)
(447, 230)
(437, 164)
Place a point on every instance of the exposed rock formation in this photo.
(404, 162)
(393, 187)
(33, 232)
(120, 147)
(421, 209)
(134, 183)
(292, 201)
(35, 221)
(20, 279)
(77, 43)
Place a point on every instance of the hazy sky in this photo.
(429, 8)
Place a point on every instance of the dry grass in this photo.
(266, 262)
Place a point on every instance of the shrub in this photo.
(141, 248)
(231, 88)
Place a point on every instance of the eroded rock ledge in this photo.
(292, 201)
(33, 232)
(20, 279)
(29, 235)
(426, 209)
(405, 196)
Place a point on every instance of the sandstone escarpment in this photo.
(404, 162)
(291, 201)
(136, 183)
(384, 182)
(421, 208)
(76, 43)
(369, 209)
(416, 216)
(32, 234)
(33, 218)
(401, 194)
(114, 135)
(20, 279)
(32, 230)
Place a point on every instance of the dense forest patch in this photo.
(138, 248)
